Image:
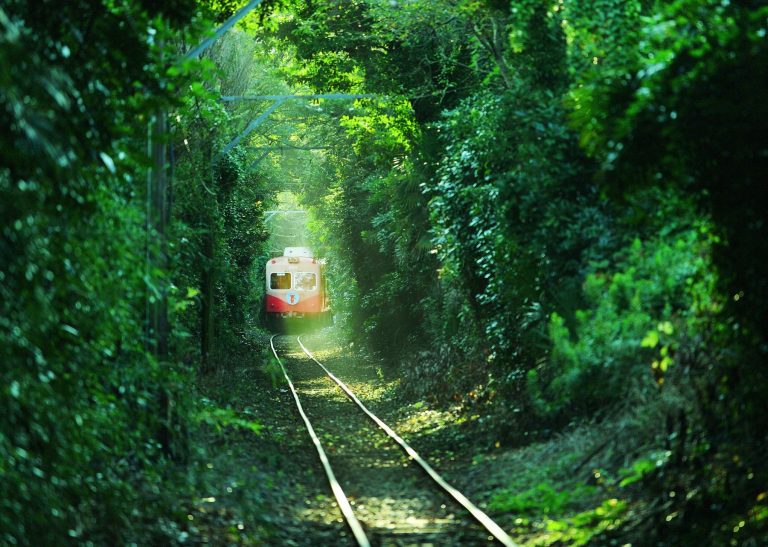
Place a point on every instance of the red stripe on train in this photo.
(311, 304)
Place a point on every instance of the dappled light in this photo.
(373, 272)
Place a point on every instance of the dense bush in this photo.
(218, 235)
(95, 420)
(88, 415)
(661, 292)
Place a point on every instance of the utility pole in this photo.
(157, 244)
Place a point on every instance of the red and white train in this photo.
(296, 288)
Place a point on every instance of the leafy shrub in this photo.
(90, 420)
(638, 315)
(542, 499)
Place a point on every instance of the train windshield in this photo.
(280, 280)
(306, 281)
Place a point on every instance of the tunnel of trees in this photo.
(549, 213)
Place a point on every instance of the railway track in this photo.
(421, 506)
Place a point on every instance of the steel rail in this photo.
(341, 497)
(474, 510)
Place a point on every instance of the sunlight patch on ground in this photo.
(393, 515)
(372, 391)
(326, 353)
(422, 420)
(316, 386)
(321, 510)
(397, 514)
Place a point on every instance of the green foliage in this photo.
(639, 469)
(219, 234)
(659, 287)
(585, 527)
(542, 499)
(90, 419)
(510, 235)
(219, 418)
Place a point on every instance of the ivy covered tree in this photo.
(83, 432)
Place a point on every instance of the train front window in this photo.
(280, 280)
(306, 281)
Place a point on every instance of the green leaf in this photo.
(651, 339)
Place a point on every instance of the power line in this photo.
(205, 44)
(329, 96)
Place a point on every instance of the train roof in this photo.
(304, 252)
(302, 261)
